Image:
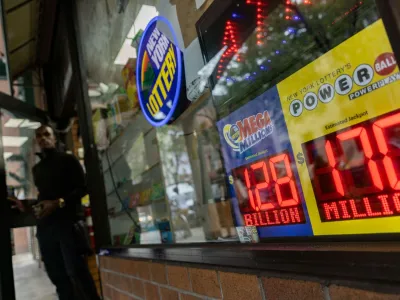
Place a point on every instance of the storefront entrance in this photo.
(30, 278)
(21, 270)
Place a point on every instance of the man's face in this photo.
(45, 138)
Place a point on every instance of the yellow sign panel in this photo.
(343, 117)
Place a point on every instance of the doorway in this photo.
(22, 274)
(30, 279)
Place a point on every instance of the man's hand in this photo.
(17, 204)
(47, 207)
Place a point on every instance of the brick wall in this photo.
(133, 279)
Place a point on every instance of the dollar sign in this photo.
(300, 158)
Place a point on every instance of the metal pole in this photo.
(95, 179)
(390, 13)
(7, 290)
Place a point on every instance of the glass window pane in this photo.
(175, 184)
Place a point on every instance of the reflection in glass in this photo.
(267, 41)
(179, 184)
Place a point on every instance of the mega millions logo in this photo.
(248, 132)
(159, 74)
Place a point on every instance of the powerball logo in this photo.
(248, 132)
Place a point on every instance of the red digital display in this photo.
(355, 172)
(267, 192)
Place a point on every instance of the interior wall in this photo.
(188, 15)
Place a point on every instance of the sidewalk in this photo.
(31, 282)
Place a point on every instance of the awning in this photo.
(22, 23)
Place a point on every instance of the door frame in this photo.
(390, 14)
(7, 221)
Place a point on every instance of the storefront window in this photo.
(285, 141)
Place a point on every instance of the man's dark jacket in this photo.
(60, 175)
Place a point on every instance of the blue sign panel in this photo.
(159, 73)
(261, 168)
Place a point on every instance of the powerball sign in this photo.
(343, 118)
(158, 73)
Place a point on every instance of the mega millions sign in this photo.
(159, 73)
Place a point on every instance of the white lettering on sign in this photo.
(385, 64)
(152, 41)
(159, 48)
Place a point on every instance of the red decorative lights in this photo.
(260, 20)
(290, 12)
(229, 41)
(231, 38)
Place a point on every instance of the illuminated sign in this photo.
(232, 40)
(262, 174)
(273, 198)
(356, 173)
(343, 118)
(343, 85)
(159, 73)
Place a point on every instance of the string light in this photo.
(288, 10)
(260, 20)
(231, 41)
(231, 37)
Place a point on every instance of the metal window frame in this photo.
(8, 220)
(390, 13)
(95, 178)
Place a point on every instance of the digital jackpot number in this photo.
(355, 173)
(271, 196)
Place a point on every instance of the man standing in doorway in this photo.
(60, 180)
